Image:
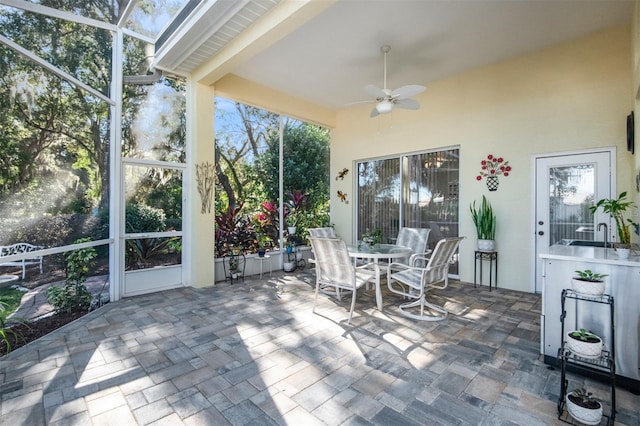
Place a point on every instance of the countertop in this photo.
(590, 254)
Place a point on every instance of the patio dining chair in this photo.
(416, 239)
(327, 232)
(414, 282)
(335, 269)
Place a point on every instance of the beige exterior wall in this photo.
(564, 98)
(198, 245)
(635, 92)
(568, 97)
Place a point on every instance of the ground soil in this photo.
(33, 330)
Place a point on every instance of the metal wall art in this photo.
(205, 173)
(491, 168)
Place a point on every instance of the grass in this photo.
(10, 298)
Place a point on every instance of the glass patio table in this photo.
(375, 253)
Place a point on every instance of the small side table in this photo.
(264, 259)
(491, 256)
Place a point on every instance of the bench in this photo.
(20, 248)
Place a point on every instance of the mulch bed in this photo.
(27, 333)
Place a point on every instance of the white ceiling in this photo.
(331, 58)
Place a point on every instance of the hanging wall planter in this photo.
(491, 168)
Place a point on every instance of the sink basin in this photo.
(584, 243)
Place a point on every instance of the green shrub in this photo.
(74, 296)
(144, 218)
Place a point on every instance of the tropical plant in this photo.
(588, 275)
(8, 332)
(74, 296)
(617, 207)
(484, 220)
(584, 335)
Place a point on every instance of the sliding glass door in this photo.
(418, 190)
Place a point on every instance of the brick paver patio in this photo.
(253, 353)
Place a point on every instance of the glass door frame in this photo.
(572, 157)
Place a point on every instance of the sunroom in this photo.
(172, 137)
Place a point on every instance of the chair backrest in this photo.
(322, 232)
(437, 269)
(333, 263)
(414, 238)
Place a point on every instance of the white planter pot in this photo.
(289, 266)
(588, 288)
(292, 230)
(584, 349)
(623, 253)
(584, 415)
(487, 245)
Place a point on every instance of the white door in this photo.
(565, 187)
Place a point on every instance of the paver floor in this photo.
(253, 353)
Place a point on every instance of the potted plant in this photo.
(617, 207)
(583, 407)
(371, 238)
(485, 222)
(263, 241)
(584, 344)
(588, 283)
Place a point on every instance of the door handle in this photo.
(540, 232)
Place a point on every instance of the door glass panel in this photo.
(571, 193)
(379, 197)
(431, 199)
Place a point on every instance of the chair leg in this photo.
(315, 299)
(422, 302)
(353, 305)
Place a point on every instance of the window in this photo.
(255, 151)
(414, 190)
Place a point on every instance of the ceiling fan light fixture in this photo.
(384, 107)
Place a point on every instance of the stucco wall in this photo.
(564, 98)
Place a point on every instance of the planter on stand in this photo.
(487, 245)
(584, 344)
(588, 412)
(588, 288)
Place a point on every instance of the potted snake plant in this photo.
(485, 222)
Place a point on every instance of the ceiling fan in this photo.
(386, 99)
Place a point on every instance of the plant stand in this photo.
(606, 362)
(239, 260)
(481, 256)
(295, 259)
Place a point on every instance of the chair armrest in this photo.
(420, 256)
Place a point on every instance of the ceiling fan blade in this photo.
(358, 103)
(407, 91)
(374, 91)
(407, 103)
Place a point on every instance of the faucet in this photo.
(606, 232)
